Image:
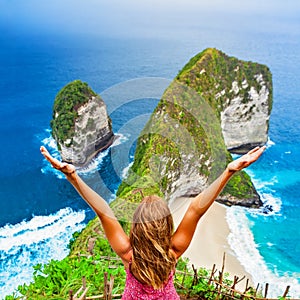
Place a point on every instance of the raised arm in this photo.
(115, 234)
(201, 203)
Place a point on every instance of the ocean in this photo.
(40, 210)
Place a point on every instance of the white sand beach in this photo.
(210, 240)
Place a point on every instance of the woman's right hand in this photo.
(58, 165)
(246, 160)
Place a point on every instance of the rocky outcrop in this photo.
(183, 147)
(239, 91)
(245, 123)
(80, 124)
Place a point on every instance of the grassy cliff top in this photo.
(66, 104)
(212, 71)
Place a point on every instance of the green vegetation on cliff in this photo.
(174, 131)
(66, 104)
(211, 74)
(183, 135)
(212, 71)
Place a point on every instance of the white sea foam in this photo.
(35, 241)
(271, 203)
(270, 143)
(50, 144)
(96, 162)
(246, 250)
(121, 138)
(126, 170)
(262, 184)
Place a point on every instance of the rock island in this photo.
(80, 124)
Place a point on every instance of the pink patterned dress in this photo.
(135, 290)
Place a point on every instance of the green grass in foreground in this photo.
(55, 279)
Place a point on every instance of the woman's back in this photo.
(135, 290)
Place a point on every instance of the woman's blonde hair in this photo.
(150, 238)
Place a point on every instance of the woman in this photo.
(151, 251)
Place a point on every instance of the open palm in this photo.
(58, 165)
(246, 160)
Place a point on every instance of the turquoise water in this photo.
(268, 244)
(40, 211)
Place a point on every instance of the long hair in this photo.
(150, 238)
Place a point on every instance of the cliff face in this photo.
(239, 91)
(80, 124)
(180, 151)
(183, 147)
(245, 123)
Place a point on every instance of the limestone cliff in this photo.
(80, 124)
(184, 145)
(239, 91)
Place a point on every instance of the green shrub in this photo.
(65, 108)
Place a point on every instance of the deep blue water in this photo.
(40, 210)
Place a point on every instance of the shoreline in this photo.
(210, 241)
